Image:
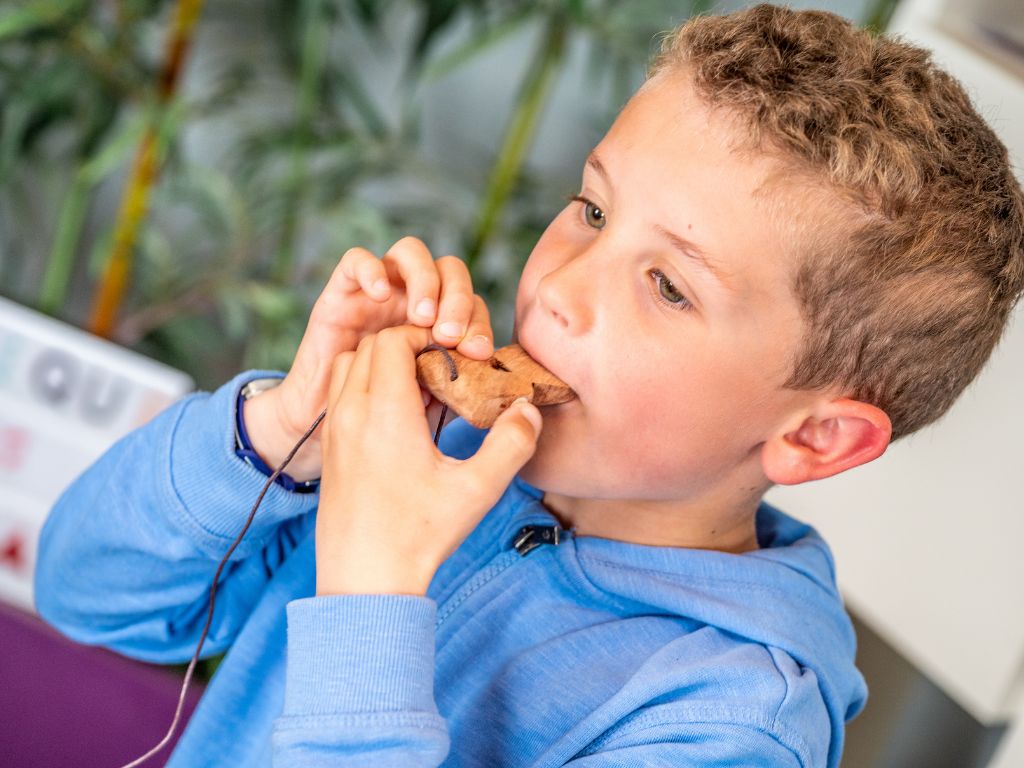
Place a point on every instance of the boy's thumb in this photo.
(507, 447)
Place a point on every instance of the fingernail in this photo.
(451, 329)
(426, 308)
(381, 286)
(482, 341)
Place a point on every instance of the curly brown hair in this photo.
(906, 298)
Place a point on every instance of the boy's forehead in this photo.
(668, 124)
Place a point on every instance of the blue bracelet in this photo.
(244, 451)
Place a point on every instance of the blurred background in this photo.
(178, 178)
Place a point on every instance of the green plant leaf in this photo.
(117, 149)
(13, 122)
(437, 15)
(234, 313)
(272, 303)
(475, 46)
(99, 251)
(42, 13)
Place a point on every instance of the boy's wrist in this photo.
(273, 441)
(369, 572)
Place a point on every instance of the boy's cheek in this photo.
(541, 472)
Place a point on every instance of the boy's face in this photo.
(678, 374)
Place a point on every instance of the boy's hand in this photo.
(393, 507)
(365, 295)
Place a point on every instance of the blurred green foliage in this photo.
(234, 251)
(308, 156)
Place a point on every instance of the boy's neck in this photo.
(659, 523)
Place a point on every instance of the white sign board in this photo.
(65, 397)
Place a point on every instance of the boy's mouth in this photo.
(540, 359)
(542, 344)
(528, 349)
(479, 390)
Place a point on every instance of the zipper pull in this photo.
(532, 536)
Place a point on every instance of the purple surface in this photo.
(65, 704)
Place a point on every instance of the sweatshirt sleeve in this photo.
(695, 744)
(359, 686)
(126, 555)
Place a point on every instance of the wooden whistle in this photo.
(479, 390)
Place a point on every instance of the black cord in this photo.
(454, 373)
(213, 595)
(252, 514)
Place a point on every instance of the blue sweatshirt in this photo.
(586, 652)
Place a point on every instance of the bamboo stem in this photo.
(61, 261)
(521, 127)
(108, 299)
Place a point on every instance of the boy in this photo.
(796, 243)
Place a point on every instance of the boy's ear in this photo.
(838, 435)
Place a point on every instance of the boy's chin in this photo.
(547, 470)
(556, 465)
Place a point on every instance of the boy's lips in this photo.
(542, 360)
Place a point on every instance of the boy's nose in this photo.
(567, 293)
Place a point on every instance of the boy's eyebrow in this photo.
(695, 255)
(595, 162)
(685, 247)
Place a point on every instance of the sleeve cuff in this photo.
(360, 653)
(215, 488)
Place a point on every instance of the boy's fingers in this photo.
(393, 373)
(415, 265)
(506, 448)
(364, 270)
(357, 377)
(339, 374)
(456, 305)
(339, 410)
(479, 339)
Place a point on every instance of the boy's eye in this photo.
(593, 215)
(668, 292)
